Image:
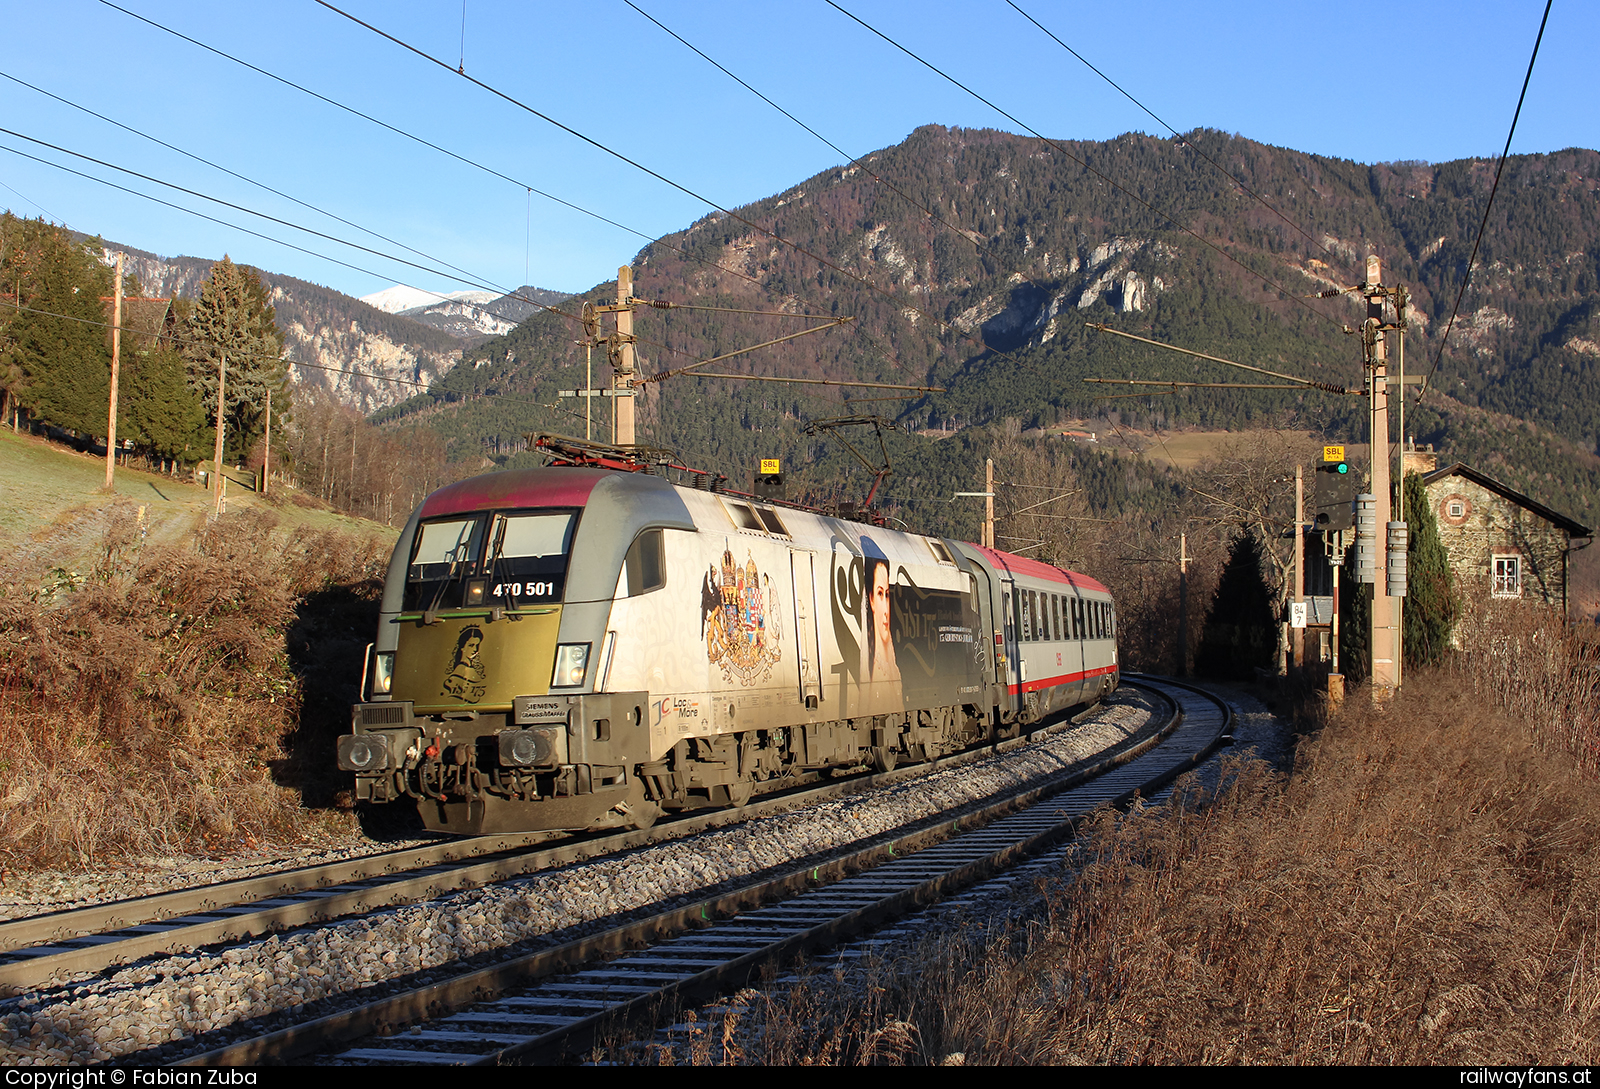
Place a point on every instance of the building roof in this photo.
(1560, 521)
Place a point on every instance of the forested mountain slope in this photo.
(993, 306)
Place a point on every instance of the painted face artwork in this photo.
(881, 664)
(467, 680)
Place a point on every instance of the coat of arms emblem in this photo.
(740, 619)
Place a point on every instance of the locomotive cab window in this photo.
(504, 560)
(528, 557)
(645, 567)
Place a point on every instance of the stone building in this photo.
(1501, 543)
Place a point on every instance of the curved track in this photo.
(552, 1003)
(37, 949)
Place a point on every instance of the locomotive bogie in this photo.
(575, 648)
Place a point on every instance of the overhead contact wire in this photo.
(1483, 225)
(1235, 178)
(426, 143)
(1081, 162)
(825, 262)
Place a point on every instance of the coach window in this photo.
(645, 568)
(1038, 625)
(1055, 615)
(1077, 618)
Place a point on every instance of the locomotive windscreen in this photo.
(490, 560)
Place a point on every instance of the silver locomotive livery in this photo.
(585, 647)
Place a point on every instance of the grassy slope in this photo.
(50, 487)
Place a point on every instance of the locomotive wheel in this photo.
(735, 795)
(882, 759)
(642, 815)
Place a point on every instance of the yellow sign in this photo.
(769, 466)
(1333, 453)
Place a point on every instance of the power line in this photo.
(1236, 179)
(1097, 173)
(427, 143)
(465, 277)
(1467, 277)
(231, 173)
(658, 176)
(225, 223)
(292, 362)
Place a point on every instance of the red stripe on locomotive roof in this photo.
(1021, 565)
(515, 488)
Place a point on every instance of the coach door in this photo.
(805, 619)
(1011, 605)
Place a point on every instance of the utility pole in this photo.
(623, 361)
(222, 401)
(1385, 613)
(116, 361)
(988, 503)
(266, 464)
(1183, 604)
(1299, 631)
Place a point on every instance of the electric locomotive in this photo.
(588, 645)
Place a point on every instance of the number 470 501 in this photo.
(520, 589)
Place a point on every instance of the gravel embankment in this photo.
(1004, 906)
(189, 1003)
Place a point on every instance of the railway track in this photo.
(546, 1005)
(38, 949)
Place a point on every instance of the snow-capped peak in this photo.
(392, 300)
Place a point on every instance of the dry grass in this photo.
(158, 702)
(1524, 659)
(1422, 890)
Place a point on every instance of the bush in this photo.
(155, 705)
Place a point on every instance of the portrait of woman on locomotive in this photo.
(881, 664)
(466, 679)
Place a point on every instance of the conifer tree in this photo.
(158, 410)
(234, 321)
(55, 358)
(1431, 606)
(1240, 633)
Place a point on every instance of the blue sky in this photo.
(1433, 81)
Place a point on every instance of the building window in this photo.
(1458, 509)
(1508, 576)
(1454, 510)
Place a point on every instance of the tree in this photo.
(233, 322)
(1240, 633)
(54, 355)
(158, 410)
(1431, 607)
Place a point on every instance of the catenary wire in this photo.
(886, 354)
(1482, 226)
(1236, 179)
(1097, 173)
(904, 304)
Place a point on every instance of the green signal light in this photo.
(1342, 469)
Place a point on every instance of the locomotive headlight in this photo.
(476, 590)
(382, 672)
(572, 661)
